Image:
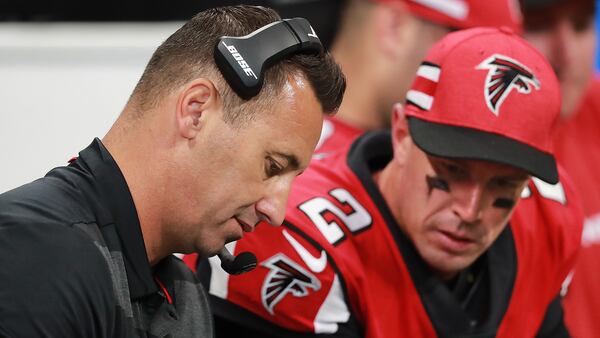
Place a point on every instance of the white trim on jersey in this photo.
(219, 279)
(554, 192)
(333, 310)
(326, 132)
(591, 231)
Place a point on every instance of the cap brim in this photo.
(460, 142)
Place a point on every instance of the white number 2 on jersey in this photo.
(316, 209)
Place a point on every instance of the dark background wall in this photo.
(321, 13)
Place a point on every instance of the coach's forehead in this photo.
(293, 120)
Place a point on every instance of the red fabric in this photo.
(547, 239)
(577, 144)
(164, 290)
(466, 13)
(191, 261)
(292, 311)
(424, 85)
(380, 291)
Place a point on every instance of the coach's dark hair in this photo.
(188, 54)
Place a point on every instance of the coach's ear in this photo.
(400, 135)
(198, 100)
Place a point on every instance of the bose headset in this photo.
(243, 60)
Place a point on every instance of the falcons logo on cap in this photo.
(504, 75)
(285, 277)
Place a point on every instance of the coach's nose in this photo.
(271, 208)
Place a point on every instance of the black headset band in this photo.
(243, 60)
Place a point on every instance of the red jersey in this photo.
(577, 146)
(336, 136)
(340, 264)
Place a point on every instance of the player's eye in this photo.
(448, 169)
(504, 203)
(435, 182)
(454, 171)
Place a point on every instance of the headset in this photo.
(243, 60)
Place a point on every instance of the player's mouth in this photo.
(455, 243)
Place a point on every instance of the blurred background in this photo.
(67, 68)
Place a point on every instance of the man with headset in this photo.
(207, 146)
(457, 223)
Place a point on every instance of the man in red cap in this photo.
(457, 223)
(565, 33)
(380, 44)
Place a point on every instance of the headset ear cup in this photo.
(228, 70)
(243, 60)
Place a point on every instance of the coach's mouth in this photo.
(245, 226)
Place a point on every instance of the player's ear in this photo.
(196, 100)
(401, 140)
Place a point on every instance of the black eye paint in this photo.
(436, 183)
(504, 203)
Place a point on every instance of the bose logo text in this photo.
(238, 57)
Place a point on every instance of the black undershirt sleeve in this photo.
(553, 325)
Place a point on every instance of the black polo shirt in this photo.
(73, 261)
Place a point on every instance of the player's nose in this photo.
(468, 204)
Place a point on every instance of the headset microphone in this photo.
(235, 265)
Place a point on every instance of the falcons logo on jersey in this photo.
(285, 277)
(504, 75)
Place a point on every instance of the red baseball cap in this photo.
(486, 94)
(460, 14)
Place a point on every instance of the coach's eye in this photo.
(272, 167)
